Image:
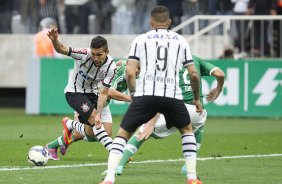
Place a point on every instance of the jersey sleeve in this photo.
(118, 76)
(134, 53)
(205, 68)
(78, 53)
(188, 60)
(107, 82)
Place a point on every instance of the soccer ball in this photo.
(38, 156)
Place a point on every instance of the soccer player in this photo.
(160, 53)
(92, 67)
(157, 129)
(115, 92)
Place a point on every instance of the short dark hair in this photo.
(160, 14)
(99, 42)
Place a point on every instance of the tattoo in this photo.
(195, 84)
(59, 47)
(102, 99)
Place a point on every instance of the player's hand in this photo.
(98, 121)
(148, 130)
(199, 107)
(53, 34)
(213, 94)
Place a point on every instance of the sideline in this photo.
(2, 169)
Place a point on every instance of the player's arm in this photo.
(131, 67)
(214, 93)
(59, 46)
(195, 85)
(120, 62)
(116, 95)
(149, 128)
(103, 96)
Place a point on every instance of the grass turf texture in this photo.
(223, 137)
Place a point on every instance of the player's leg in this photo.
(84, 105)
(177, 115)
(189, 150)
(104, 133)
(130, 149)
(116, 153)
(198, 122)
(140, 111)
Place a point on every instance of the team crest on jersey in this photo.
(85, 107)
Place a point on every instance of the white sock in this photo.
(115, 157)
(190, 154)
(103, 137)
(76, 125)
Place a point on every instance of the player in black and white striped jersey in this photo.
(160, 53)
(92, 67)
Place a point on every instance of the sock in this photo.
(115, 157)
(103, 137)
(76, 125)
(189, 153)
(90, 139)
(199, 137)
(130, 148)
(57, 143)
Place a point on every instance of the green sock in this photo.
(90, 139)
(57, 143)
(199, 137)
(130, 148)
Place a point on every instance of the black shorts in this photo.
(83, 104)
(144, 108)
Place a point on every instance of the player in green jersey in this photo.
(156, 127)
(119, 86)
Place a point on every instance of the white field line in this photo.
(140, 162)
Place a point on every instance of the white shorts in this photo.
(160, 130)
(106, 115)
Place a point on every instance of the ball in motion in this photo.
(38, 156)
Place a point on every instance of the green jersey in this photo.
(119, 80)
(204, 69)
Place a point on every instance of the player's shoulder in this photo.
(110, 61)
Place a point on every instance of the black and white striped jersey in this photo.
(161, 53)
(86, 77)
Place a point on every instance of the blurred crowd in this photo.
(132, 16)
(119, 16)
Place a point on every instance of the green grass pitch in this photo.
(224, 141)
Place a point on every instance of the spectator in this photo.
(76, 16)
(103, 9)
(261, 7)
(123, 17)
(6, 11)
(225, 7)
(29, 15)
(141, 15)
(43, 45)
(277, 31)
(228, 53)
(191, 8)
(240, 8)
(175, 8)
(48, 8)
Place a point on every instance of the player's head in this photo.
(160, 17)
(99, 50)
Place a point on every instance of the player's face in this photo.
(98, 56)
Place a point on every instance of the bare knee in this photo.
(186, 129)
